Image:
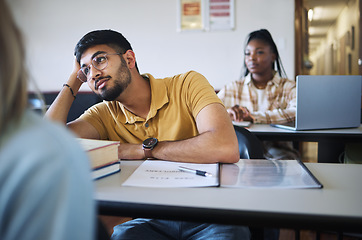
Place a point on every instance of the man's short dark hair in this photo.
(109, 37)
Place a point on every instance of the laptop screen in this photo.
(326, 102)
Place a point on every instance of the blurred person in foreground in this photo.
(46, 191)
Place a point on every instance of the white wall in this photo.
(52, 28)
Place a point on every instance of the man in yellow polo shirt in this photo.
(169, 118)
(178, 118)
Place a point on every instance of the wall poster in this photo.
(205, 15)
(221, 14)
(191, 15)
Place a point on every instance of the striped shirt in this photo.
(280, 103)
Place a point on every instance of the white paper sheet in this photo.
(163, 174)
(242, 123)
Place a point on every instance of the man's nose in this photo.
(94, 73)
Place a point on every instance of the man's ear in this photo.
(130, 59)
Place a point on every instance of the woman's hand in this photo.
(238, 114)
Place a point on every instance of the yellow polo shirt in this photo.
(175, 103)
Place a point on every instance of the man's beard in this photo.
(121, 82)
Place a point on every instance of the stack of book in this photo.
(103, 156)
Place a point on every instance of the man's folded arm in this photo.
(216, 141)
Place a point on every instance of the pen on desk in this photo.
(195, 171)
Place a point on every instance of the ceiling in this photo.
(325, 14)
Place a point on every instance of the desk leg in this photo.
(329, 151)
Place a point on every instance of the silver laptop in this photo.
(327, 102)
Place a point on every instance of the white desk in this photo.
(330, 141)
(337, 207)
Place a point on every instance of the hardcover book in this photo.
(106, 170)
(100, 152)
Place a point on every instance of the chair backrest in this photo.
(250, 147)
(83, 101)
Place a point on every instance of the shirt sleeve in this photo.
(232, 94)
(283, 107)
(98, 117)
(198, 91)
(281, 100)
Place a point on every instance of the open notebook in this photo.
(247, 173)
(262, 173)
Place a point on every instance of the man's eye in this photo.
(260, 52)
(247, 54)
(100, 60)
(85, 70)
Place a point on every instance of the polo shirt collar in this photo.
(159, 98)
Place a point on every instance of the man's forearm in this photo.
(216, 142)
(200, 149)
(59, 109)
